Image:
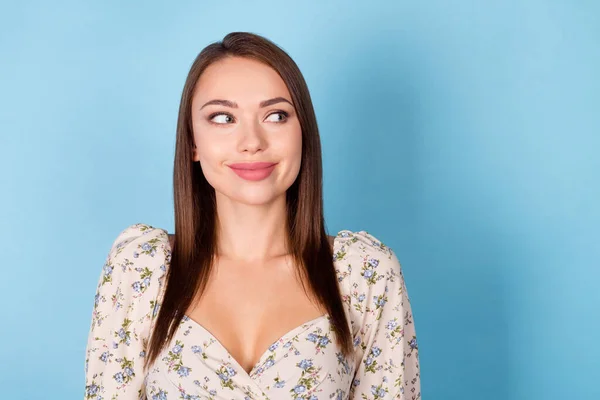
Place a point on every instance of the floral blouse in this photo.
(305, 363)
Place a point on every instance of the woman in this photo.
(250, 299)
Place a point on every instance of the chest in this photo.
(247, 307)
(303, 363)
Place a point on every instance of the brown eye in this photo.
(282, 114)
(221, 118)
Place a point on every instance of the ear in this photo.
(195, 154)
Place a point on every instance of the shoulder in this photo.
(133, 274)
(139, 249)
(361, 241)
(361, 254)
(368, 272)
(140, 239)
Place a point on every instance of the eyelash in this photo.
(211, 116)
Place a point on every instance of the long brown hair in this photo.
(193, 250)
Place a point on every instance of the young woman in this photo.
(250, 299)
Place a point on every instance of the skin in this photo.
(253, 296)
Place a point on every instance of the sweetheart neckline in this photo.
(294, 331)
(284, 336)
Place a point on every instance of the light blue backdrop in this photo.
(464, 134)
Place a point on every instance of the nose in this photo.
(252, 138)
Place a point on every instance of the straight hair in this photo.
(193, 248)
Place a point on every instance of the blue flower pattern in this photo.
(306, 363)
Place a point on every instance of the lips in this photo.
(252, 166)
(255, 171)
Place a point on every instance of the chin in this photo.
(258, 197)
(252, 196)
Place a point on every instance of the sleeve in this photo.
(124, 308)
(387, 357)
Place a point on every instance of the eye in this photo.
(282, 114)
(221, 118)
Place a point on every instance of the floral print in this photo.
(305, 363)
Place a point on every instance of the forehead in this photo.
(239, 79)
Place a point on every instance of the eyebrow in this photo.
(233, 104)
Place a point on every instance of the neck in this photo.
(251, 233)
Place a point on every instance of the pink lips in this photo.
(253, 171)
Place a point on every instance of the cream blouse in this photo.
(305, 363)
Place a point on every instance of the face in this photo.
(242, 115)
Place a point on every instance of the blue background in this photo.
(464, 134)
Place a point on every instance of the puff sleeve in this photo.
(125, 305)
(386, 352)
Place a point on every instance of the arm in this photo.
(125, 299)
(387, 363)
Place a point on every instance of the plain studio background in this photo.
(464, 134)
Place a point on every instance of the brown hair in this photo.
(195, 209)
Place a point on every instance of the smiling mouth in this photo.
(253, 171)
(251, 166)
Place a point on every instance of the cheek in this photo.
(290, 149)
(209, 149)
(291, 145)
(211, 156)
(295, 148)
